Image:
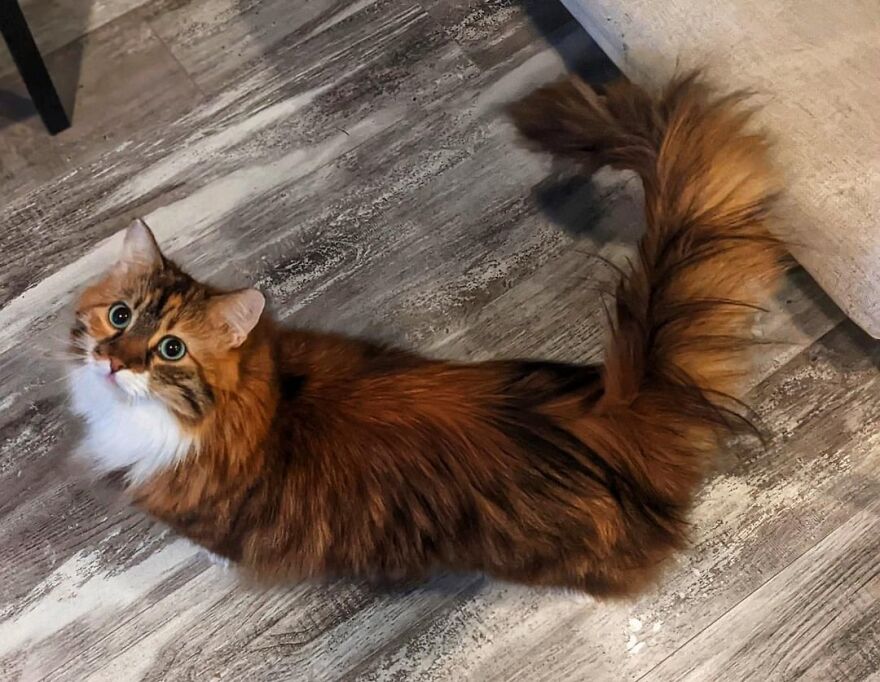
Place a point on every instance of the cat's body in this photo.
(382, 465)
(299, 454)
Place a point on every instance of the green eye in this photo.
(172, 348)
(119, 315)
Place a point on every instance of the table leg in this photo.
(26, 55)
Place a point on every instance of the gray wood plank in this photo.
(814, 620)
(278, 126)
(275, 36)
(491, 32)
(60, 22)
(125, 80)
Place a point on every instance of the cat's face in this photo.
(149, 333)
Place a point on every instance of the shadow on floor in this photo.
(553, 23)
(573, 201)
(59, 29)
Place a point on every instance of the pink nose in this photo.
(115, 365)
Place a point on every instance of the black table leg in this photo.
(30, 64)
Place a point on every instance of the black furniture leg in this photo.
(30, 64)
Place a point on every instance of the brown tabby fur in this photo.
(319, 455)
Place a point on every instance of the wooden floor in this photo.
(349, 158)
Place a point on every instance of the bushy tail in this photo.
(684, 310)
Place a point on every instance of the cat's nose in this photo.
(115, 365)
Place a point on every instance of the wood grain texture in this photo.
(815, 618)
(352, 163)
(817, 67)
(494, 30)
(257, 135)
(125, 80)
(60, 22)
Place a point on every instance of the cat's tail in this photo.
(684, 309)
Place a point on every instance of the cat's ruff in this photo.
(126, 428)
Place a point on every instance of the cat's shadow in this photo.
(603, 208)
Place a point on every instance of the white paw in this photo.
(218, 560)
(575, 596)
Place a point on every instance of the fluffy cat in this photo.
(297, 454)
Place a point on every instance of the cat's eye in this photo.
(119, 315)
(171, 348)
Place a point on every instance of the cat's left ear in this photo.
(237, 313)
(139, 248)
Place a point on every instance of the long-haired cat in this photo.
(297, 454)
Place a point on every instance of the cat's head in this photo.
(150, 332)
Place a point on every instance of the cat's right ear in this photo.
(236, 314)
(140, 251)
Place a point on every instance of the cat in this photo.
(300, 455)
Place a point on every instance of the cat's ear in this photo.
(139, 248)
(237, 313)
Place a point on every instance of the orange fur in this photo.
(321, 455)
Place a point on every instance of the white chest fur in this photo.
(125, 427)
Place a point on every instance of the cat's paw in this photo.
(218, 560)
(575, 596)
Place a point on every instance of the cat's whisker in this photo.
(50, 383)
(61, 354)
(60, 351)
(61, 341)
(61, 358)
